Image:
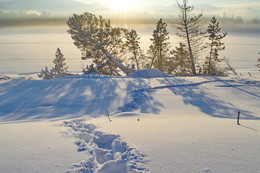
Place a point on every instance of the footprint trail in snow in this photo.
(109, 153)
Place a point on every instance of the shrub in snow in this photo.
(4, 77)
(89, 69)
(46, 74)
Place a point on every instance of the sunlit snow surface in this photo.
(148, 73)
(162, 124)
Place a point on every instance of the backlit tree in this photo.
(215, 45)
(158, 52)
(189, 29)
(99, 42)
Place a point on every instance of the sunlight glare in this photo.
(122, 5)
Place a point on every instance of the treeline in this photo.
(29, 18)
(14, 22)
(114, 49)
(26, 14)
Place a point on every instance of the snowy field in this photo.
(160, 124)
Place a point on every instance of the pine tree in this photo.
(132, 43)
(99, 42)
(181, 62)
(60, 68)
(159, 50)
(215, 45)
(189, 29)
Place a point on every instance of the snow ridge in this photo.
(148, 73)
(110, 154)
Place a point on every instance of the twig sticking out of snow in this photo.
(238, 117)
(230, 68)
(108, 116)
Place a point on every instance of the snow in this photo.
(109, 152)
(190, 143)
(159, 124)
(36, 147)
(148, 73)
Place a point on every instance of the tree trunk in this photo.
(111, 57)
(136, 60)
(210, 57)
(193, 67)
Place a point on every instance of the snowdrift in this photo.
(148, 73)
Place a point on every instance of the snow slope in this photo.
(166, 124)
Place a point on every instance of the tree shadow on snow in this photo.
(141, 98)
(208, 103)
(31, 100)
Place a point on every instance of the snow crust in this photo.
(148, 73)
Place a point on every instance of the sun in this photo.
(121, 5)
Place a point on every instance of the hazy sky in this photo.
(170, 2)
(164, 2)
(219, 3)
(244, 8)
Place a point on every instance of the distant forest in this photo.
(24, 18)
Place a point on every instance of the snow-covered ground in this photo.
(163, 124)
(36, 147)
